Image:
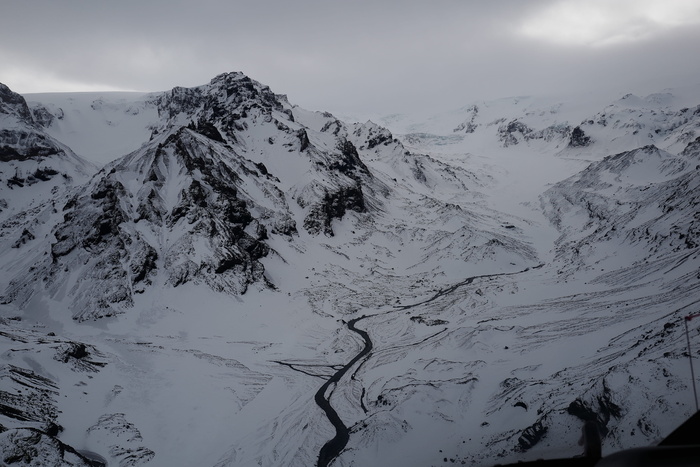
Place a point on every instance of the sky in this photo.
(379, 56)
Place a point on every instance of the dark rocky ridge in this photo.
(100, 230)
(222, 103)
(516, 131)
(12, 103)
(26, 139)
(579, 138)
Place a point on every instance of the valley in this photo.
(258, 284)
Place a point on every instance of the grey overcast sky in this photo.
(378, 56)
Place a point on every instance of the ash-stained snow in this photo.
(519, 266)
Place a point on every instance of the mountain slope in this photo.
(638, 204)
(33, 166)
(173, 206)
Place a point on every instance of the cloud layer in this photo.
(601, 23)
(378, 56)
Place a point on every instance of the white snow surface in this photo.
(581, 277)
(99, 126)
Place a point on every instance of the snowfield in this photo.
(245, 282)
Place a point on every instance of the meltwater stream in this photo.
(333, 447)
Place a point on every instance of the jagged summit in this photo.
(227, 98)
(260, 126)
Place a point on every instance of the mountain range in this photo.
(215, 276)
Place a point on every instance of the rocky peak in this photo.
(578, 138)
(370, 135)
(239, 88)
(224, 101)
(14, 104)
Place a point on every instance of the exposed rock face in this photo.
(27, 397)
(600, 412)
(81, 357)
(44, 117)
(20, 137)
(346, 197)
(513, 132)
(33, 165)
(21, 145)
(232, 106)
(469, 125)
(532, 435)
(116, 431)
(692, 150)
(14, 104)
(334, 206)
(27, 446)
(373, 135)
(226, 100)
(516, 132)
(578, 138)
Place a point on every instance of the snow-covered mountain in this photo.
(252, 283)
(35, 167)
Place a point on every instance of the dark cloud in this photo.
(381, 56)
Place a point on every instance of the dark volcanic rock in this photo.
(81, 357)
(532, 435)
(579, 138)
(102, 235)
(600, 411)
(349, 162)
(12, 103)
(334, 206)
(509, 134)
(27, 397)
(28, 446)
(27, 140)
(23, 144)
